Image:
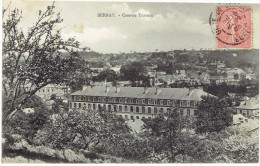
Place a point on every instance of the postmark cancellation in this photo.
(233, 27)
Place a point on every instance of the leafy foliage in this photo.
(225, 146)
(28, 124)
(212, 115)
(80, 129)
(58, 106)
(135, 72)
(242, 148)
(32, 59)
(223, 89)
(165, 135)
(108, 75)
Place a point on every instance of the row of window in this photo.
(133, 117)
(45, 90)
(120, 108)
(182, 112)
(137, 109)
(143, 117)
(188, 103)
(135, 101)
(246, 112)
(124, 100)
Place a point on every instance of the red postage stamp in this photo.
(234, 27)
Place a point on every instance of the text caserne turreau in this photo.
(124, 15)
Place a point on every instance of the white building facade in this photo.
(137, 102)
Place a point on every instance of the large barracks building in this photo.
(137, 102)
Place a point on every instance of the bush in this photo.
(27, 125)
(213, 115)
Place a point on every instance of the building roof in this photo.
(237, 118)
(251, 125)
(251, 104)
(138, 92)
(116, 69)
(195, 94)
(244, 123)
(48, 86)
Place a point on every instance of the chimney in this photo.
(200, 87)
(190, 90)
(117, 89)
(106, 89)
(145, 90)
(156, 90)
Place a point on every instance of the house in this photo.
(137, 102)
(239, 119)
(182, 73)
(60, 91)
(246, 125)
(28, 110)
(221, 78)
(124, 83)
(116, 69)
(152, 73)
(204, 78)
(95, 71)
(160, 73)
(250, 76)
(249, 108)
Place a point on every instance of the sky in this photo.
(173, 25)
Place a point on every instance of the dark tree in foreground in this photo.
(213, 115)
(82, 129)
(33, 59)
(27, 124)
(168, 135)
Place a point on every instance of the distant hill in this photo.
(244, 59)
(237, 58)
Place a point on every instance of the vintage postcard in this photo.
(130, 82)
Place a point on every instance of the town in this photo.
(65, 103)
(175, 77)
(232, 82)
(139, 86)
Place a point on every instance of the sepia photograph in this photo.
(129, 82)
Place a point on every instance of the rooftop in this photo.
(141, 92)
(250, 104)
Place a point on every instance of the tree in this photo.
(98, 131)
(58, 106)
(76, 82)
(212, 115)
(53, 97)
(33, 59)
(108, 75)
(220, 90)
(34, 102)
(81, 129)
(134, 71)
(166, 135)
(28, 124)
(242, 147)
(80, 77)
